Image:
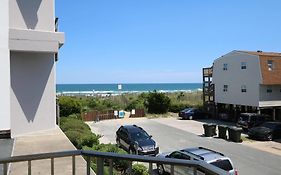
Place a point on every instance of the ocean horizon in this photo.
(126, 88)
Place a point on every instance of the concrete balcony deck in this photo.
(43, 142)
(35, 41)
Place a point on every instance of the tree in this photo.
(157, 103)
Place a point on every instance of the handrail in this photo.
(205, 167)
(40, 156)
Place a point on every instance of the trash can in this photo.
(209, 130)
(235, 134)
(222, 131)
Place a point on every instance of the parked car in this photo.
(135, 140)
(266, 131)
(249, 120)
(199, 154)
(224, 116)
(192, 113)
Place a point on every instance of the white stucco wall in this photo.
(4, 66)
(32, 92)
(235, 77)
(32, 14)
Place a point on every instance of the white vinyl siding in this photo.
(234, 77)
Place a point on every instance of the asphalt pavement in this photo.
(247, 160)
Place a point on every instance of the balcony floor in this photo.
(43, 142)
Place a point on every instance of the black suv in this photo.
(249, 120)
(135, 140)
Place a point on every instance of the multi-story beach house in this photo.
(29, 43)
(246, 81)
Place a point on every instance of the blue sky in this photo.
(159, 41)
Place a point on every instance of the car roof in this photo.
(132, 127)
(273, 123)
(204, 153)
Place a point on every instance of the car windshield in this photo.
(269, 125)
(223, 164)
(139, 136)
(187, 110)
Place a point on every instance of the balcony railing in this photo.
(101, 156)
(56, 24)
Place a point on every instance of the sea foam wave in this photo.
(113, 93)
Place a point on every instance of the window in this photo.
(243, 88)
(223, 164)
(270, 65)
(269, 89)
(175, 155)
(243, 65)
(225, 87)
(225, 66)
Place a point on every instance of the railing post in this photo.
(150, 168)
(29, 167)
(73, 165)
(110, 167)
(195, 170)
(130, 167)
(88, 165)
(52, 166)
(172, 169)
(100, 162)
(5, 169)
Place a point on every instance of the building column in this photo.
(259, 110)
(5, 124)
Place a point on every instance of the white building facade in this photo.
(28, 44)
(251, 79)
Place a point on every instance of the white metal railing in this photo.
(101, 156)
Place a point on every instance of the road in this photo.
(247, 160)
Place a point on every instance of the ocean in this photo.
(112, 89)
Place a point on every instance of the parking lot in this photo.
(171, 134)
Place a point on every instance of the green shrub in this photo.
(157, 103)
(177, 107)
(119, 164)
(105, 169)
(136, 104)
(69, 105)
(139, 169)
(80, 139)
(78, 132)
(67, 123)
(76, 116)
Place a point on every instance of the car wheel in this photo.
(190, 117)
(160, 169)
(270, 136)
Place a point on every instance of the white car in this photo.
(200, 154)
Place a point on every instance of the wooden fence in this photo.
(138, 113)
(98, 115)
(107, 115)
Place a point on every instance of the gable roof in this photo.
(261, 53)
